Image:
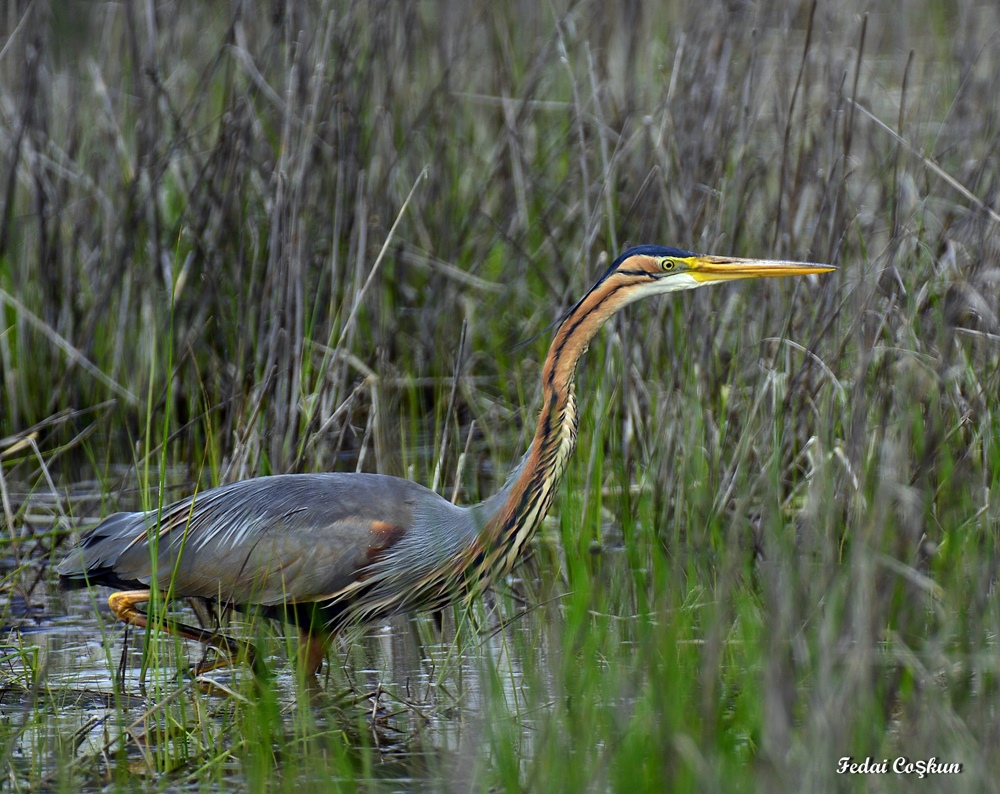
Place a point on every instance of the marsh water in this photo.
(413, 697)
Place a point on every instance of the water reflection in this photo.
(414, 693)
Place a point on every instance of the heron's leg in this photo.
(124, 605)
(313, 646)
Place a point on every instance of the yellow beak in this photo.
(727, 268)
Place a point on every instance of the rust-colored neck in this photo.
(513, 514)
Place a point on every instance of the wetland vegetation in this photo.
(240, 239)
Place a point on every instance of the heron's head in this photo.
(655, 269)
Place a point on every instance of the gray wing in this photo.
(286, 538)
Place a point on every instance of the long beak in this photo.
(726, 268)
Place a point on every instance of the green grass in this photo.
(777, 543)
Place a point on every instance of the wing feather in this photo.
(268, 540)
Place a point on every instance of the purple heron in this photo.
(327, 550)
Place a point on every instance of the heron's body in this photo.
(324, 550)
(250, 542)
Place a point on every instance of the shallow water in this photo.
(73, 677)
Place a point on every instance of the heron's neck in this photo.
(512, 515)
(515, 511)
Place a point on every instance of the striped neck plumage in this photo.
(513, 514)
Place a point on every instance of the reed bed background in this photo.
(241, 239)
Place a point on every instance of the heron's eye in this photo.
(668, 264)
